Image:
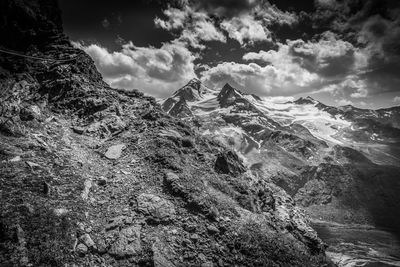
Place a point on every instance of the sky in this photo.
(337, 51)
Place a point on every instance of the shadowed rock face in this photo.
(92, 174)
(30, 23)
(229, 163)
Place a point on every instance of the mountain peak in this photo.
(227, 86)
(228, 95)
(306, 100)
(192, 91)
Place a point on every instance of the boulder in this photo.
(115, 151)
(160, 210)
(162, 254)
(127, 244)
(81, 249)
(87, 241)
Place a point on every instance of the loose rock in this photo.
(115, 151)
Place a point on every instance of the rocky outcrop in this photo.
(229, 163)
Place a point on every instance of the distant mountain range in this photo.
(340, 163)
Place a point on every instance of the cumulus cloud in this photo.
(327, 65)
(269, 80)
(246, 28)
(195, 26)
(252, 26)
(156, 71)
(396, 99)
(249, 24)
(344, 102)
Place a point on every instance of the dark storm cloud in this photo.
(374, 27)
(330, 57)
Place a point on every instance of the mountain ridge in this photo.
(321, 155)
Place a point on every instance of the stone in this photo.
(162, 254)
(15, 159)
(160, 210)
(190, 227)
(81, 249)
(212, 229)
(171, 177)
(114, 124)
(86, 189)
(102, 181)
(194, 237)
(127, 244)
(116, 222)
(78, 130)
(115, 151)
(87, 240)
(30, 113)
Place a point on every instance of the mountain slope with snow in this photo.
(326, 157)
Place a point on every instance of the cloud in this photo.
(249, 24)
(396, 99)
(270, 80)
(279, 99)
(374, 27)
(344, 102)
(156, 71)
(195, 26)
(246, 28)
(327, 65)
(329, 57)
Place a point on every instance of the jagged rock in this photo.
(78, 130)
(30, 113)
(81, 249)
(115, 151)
(151, 115)
(162, 254)
(87, 241)
(229, 163)
(127, 244)
(114, 123)
(212, 229)
(160, 210)
(116, 222)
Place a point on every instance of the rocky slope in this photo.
(96, 176)
(339, 163)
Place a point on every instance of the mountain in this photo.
(341, 164)
(97, 176)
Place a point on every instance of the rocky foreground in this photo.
(95, 176)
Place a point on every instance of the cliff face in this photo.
(95, 176)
